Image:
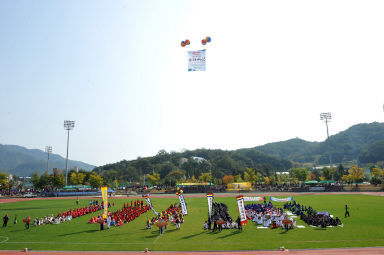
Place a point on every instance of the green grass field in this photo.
(365, 228)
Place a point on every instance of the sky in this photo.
(117, 69)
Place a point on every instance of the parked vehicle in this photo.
(29, 194)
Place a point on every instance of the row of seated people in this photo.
(82, 211)
(311, 216)
(226, 225)
(298, 209)
(66, 216)
(125, 215)
(321, 220)
(269, 216)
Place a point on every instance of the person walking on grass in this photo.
(239, 226)
(5, 220)
(27, 220)
(346, 211)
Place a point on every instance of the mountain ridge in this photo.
(21, 161)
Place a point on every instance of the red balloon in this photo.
(203, 42)
(187, 42)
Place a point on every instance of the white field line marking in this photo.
(5, 239)
(157, 238)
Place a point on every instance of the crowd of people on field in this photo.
(311, 216)
(173, 214)
(128, 213)
(220, 219)
(267, 215)
(68, 215)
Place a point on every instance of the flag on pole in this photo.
(182, 202)
(210, 201)
(148, 199)
(240, 205)
(104, 195)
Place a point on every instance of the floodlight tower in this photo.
(326, 117)
(48, 150)
(68, 125)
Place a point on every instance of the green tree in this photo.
(35, 179)
(283, 178)
(347, 178)
(58, 179)
(116, 183)
(338, 173)
(267, 181)
(376, 180)
(259, 178)
(173, 177)
(95, 180)
(193, 179)
(300, 173)
(45, 180)
(250, 175)
(238, 178)
(272, 179)
(153, 179)
(376, 172)
(3, 181)
(205, 177)
(77, 178)
(327, 173)
(356, 173)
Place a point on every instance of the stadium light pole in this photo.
(48, 150)
(68, 125)
(326, 117)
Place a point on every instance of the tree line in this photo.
(56, 180)
(191, 164)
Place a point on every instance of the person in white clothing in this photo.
(109, 221)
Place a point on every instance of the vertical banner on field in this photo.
(196, 60)
(210, 201)
(104, 195)
(182, 202)
(240, 205)
(150, 204)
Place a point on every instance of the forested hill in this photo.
(24, 162)
(172, 166)
(361, 142)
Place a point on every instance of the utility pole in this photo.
(68, 125)
(326, 117)
(48, 150)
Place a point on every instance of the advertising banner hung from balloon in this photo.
(196, 60)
